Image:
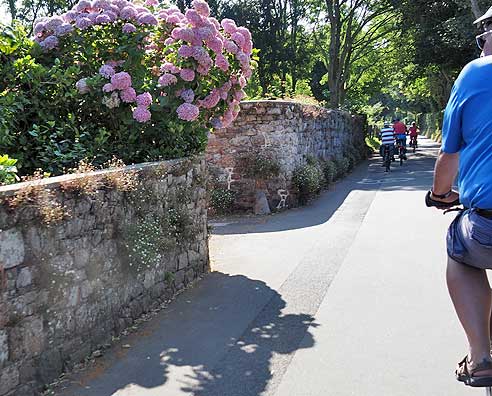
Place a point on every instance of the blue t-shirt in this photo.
(467, 129)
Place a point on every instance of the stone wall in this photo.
(82, 256)
(286, 131)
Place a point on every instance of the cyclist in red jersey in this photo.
(413, 131)
(400, 130)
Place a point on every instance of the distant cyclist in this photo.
(387, 140)
(400, 130)
(413, 132)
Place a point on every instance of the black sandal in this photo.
(467, 375)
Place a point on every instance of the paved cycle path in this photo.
(344, 297)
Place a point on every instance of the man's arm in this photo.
(444, 175)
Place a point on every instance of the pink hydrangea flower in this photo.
(128, 95)
(185, 51)
(101, 4)
(187, 95)
(82, 86)
(39, 28)
(141, 114)
(204, 33)
(201, 55)
(194, 18)
(238, 38)
(187, 74)
(128, 28)
(108, 87)
(111, 15)
(203, 70)
(173, 19)
(221, 62)
(103, 19)
(128, 12)
(167, 79)
(63, 30)
(243, 59)
(215, 45)
(214, 22)
(247, 47)
(151, 3)
(106, 71)
(216, 123)
(184, 34)
(53, 23)
(247, 72)
(229, 26)
(211, 100)
(169, 67)
(147, 19)
(144, 100)
(201, 8)
(121, 80)
(242, 82)
(83, 23)
(231, 46)
(239, 95)
(169, 41)
(245, 32)
(70, 16)
(188, 112)
(122, 4)
(49, 43)
(92, 17)
(83, 5)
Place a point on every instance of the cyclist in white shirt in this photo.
(387, 138)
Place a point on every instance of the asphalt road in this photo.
(344, 297)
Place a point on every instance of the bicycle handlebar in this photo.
(429, 202)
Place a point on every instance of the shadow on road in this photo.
(207, 339)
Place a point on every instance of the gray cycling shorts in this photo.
(469, 240)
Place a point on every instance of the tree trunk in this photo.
(12, 9)
(476, 9)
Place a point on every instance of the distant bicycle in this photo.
(386, 157)
(400, 149)
(413, 143)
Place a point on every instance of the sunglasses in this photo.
(482, 38)
(486, 25)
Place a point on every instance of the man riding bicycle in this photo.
(400, 130)
(387, 141)
(467, 147)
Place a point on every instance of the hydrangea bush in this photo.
(146, 82)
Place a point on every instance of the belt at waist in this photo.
(484, 213)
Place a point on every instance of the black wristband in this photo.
(442, 196)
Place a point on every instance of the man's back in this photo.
(399, 128)
(467, 129)
(387, 135)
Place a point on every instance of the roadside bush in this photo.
(112, 77)
(222, 200)
(262, 166)
(329, 170)
(309, 180)
(343, 167)
(8, 170)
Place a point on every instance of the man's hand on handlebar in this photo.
(453, 199)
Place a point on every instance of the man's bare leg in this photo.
(470, 292)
